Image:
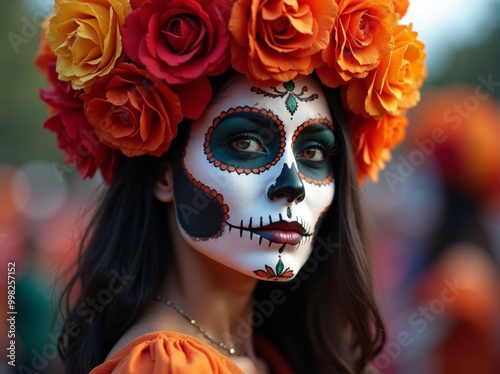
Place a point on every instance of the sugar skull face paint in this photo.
(256, 176)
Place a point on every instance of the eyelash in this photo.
(230, 139)
(328, 149)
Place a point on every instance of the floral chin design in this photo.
(291, 97)
(279, 272)
(278, 129)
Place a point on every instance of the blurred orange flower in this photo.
(362, 37)
(86, 38)
(372, 141)
(395, 129)
(44, 54)
(394, 85)
(401, 7)
(274, 41)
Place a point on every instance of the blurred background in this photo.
(434, 215)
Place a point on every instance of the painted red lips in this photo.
(281, 232)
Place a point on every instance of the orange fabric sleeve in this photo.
(167, 353)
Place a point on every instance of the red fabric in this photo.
(275, 361)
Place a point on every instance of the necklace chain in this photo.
(193, 322)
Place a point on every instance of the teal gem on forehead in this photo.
(292, 98)
(291, 104)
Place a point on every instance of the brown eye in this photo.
(242, 143)
(248, 144)
(312, 154)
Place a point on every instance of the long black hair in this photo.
(126, 250)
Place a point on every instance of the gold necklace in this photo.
(208, 336)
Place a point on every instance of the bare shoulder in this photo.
(139, 329)
(153, 320)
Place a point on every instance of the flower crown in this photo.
(124, 73)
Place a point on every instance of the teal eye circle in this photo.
(313, 143)
(246, 140)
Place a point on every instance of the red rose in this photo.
(75, 137)
(179, 40)
(133, 111)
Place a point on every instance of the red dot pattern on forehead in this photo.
(312, 121)
(239, 170)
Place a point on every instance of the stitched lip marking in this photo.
(282, 232)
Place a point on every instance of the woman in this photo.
(232, 220)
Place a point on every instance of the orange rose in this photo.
(394, 85)
(401, 7)
(85, 36)
(132, 111)
(372, 141)
(395, 129)
(274, 40)
(44, 55)
(362, 37)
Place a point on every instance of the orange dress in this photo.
(165, 352)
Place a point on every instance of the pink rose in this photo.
(179, 40)
(75, 137)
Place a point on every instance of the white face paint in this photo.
(256, 177)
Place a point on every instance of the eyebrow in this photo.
(318, 127)
(255, 115)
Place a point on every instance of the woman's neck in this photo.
(217, 297)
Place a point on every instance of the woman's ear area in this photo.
(164, 190)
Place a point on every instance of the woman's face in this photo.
(256, 177)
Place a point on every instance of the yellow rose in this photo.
(85, 36)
